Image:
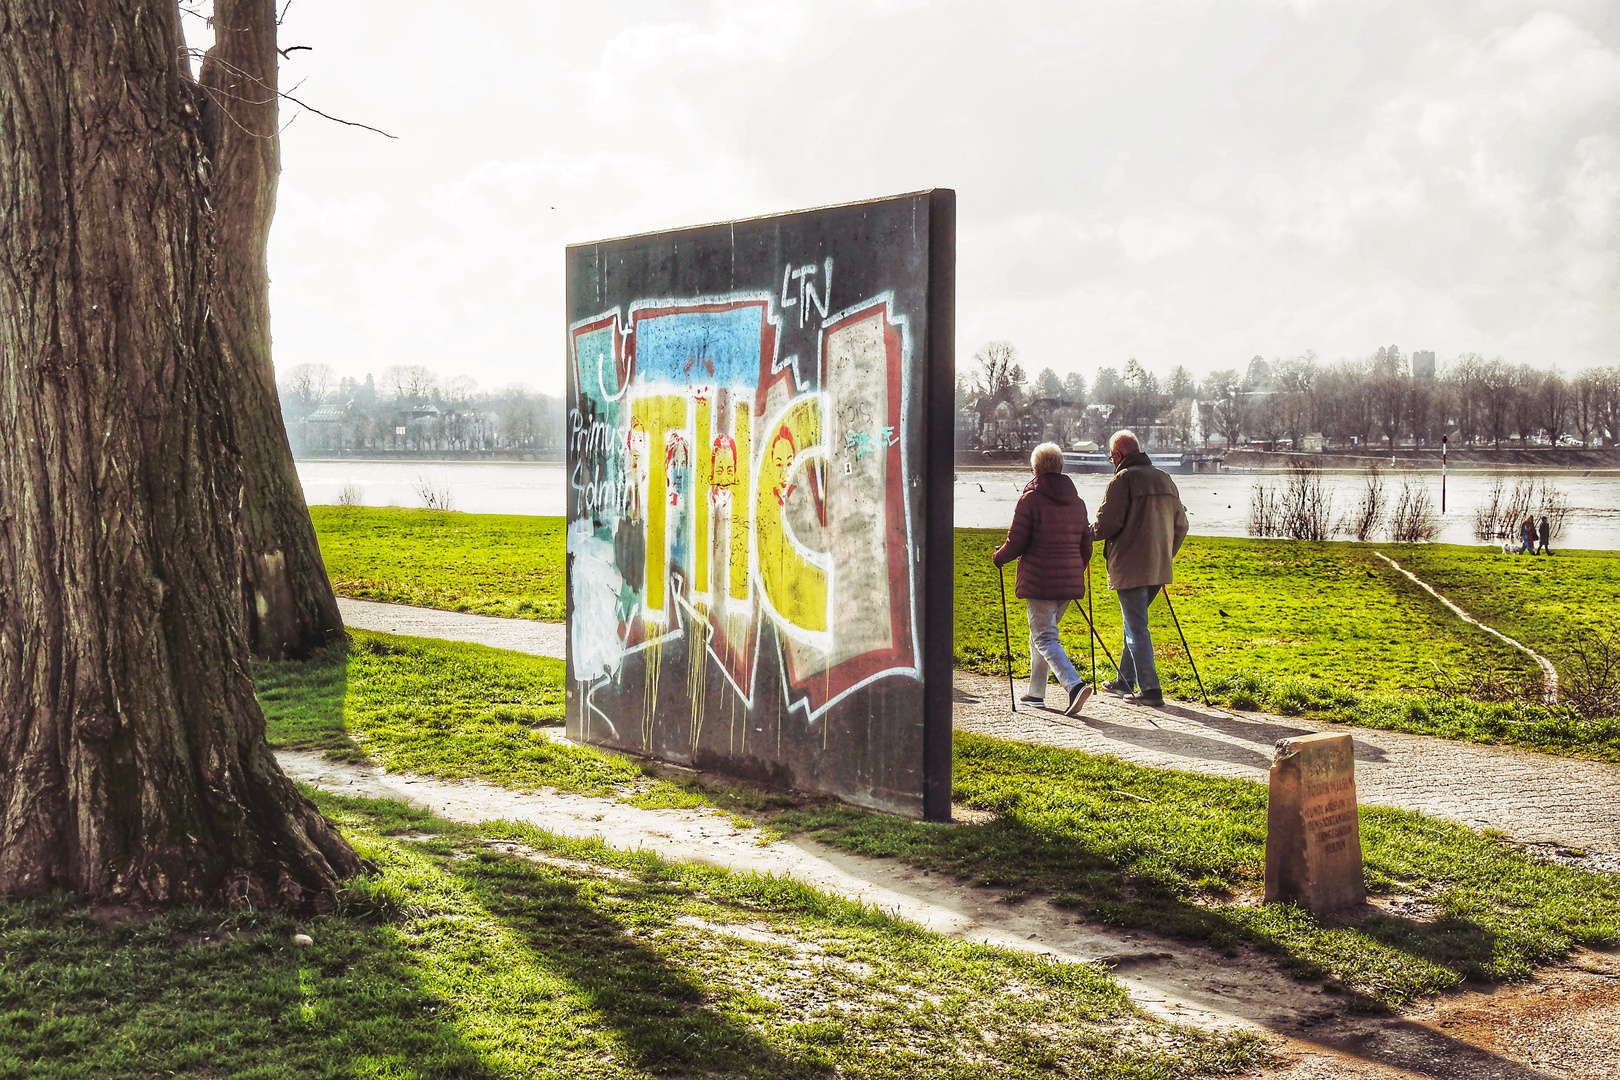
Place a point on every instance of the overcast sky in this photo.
(1182, 182)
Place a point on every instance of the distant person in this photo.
(1545, 534)
(1527, 535)
(1051, 539)
(1142, 524)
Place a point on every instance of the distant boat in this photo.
(1095, 461)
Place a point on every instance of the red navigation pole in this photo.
(1445, 441)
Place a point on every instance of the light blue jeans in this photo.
(1045, 648)
(1136, 658)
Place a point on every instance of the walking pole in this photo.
(1186, 649)
(1006, 636)
(1445, 444)
(1096, 639)
(1089, 613)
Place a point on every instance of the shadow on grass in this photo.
(657, 1012)
(303, 702)
(1173, 853)
(215, 994)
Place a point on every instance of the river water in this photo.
(1217, 505)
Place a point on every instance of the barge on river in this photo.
(1186, 462)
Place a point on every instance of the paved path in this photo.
(519, 635)
(1533, 798)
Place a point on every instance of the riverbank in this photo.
(1565, 459)
(550, 457)
(1462, 458)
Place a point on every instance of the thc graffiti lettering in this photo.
(734, 500)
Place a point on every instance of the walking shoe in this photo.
(1153, 699)
(1118, 687)
(1077, 699)
(1031, 699)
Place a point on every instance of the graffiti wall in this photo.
(760, 451)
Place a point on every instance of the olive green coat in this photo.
(1142, 523)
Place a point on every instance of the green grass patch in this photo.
(1332, 611)
(1183, 854)
(490, 564)
(1327, 631)
(440, 708)
(1330, 632)
(460, 960)
(1551, 602)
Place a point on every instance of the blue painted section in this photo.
(597, 371)
(700, 348)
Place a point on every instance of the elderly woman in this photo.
(1051, 539)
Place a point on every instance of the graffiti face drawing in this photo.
(780, 458)
(676, 457)
(636, 441)
(722, 469)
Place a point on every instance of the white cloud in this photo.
(1186, 182)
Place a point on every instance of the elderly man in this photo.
(1051, 539)
(1142, 524)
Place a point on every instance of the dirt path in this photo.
(1549, 674)
(1477, 1035)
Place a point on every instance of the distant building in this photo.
(1423, 365)
(1313, 443)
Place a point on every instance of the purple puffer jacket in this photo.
(1051, 539)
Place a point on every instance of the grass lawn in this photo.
(441, 708)
(1548, 602)
(1183, 854)
(1175, 852)
(489, 564)
(1326, 630)
(1330, 611)
(513, 953)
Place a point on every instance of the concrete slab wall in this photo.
(760, 449)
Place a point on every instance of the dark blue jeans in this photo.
(1136, 658)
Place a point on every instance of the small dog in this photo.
(1508, 548)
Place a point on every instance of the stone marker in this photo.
(1313, 839)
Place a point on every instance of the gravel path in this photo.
(1533, 798)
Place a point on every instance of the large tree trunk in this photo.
(133, 763)
(291, 609)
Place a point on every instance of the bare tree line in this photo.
(1298, 506)
(411, 407)
(1504, 508)
(1384, 399)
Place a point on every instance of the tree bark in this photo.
(133, 763)
(290, 606)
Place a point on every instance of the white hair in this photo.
(1047, 457)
